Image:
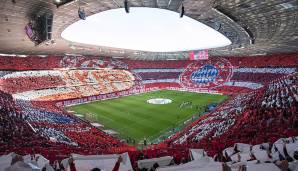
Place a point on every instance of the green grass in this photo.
(133, 117)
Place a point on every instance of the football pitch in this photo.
(134, 118)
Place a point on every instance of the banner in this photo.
(199, 55)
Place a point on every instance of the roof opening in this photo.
(144, 29)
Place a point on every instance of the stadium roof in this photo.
(255, 27)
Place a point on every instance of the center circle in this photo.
(159, 101)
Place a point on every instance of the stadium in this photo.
(165, 85)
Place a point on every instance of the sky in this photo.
(144, 29)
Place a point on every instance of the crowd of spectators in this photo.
(59, 85)
(159, 75)
(249, 113)
(56, 133)
(26, 129)
(69, 82)
(50, 62)
(255, 77)
(280, 155)
(265, 61)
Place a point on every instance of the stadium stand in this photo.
(275, 113)
(279, 155)
(263, 96)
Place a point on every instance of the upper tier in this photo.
(69, 77)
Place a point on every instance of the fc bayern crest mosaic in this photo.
(206, 73)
